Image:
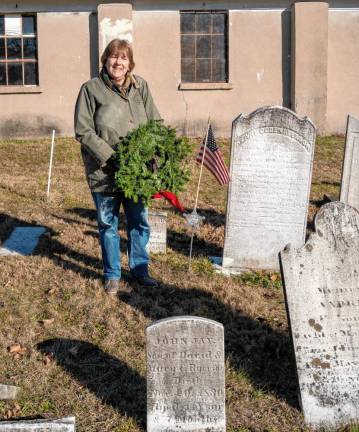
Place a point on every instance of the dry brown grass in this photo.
(84, 353)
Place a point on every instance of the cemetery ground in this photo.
(73, 350)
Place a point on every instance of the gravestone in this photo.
(66, 424)
(349, 191)
(321, 282)
(271, 167)
(22, 241)
(185, 375)
(158, 233)
(8, 392)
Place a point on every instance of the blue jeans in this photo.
(138, 234)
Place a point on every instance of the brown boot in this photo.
(112, 286)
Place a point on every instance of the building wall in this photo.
(259, 63)
(64, 63)
(343, 68)
(255, 69)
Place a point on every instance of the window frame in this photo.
(206, 84)
(23, 87)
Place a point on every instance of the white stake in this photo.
(195, 205)
(50, 166)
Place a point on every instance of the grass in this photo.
(83, 353)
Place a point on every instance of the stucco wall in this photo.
(64, 63)
(343, 68)
(255, 68)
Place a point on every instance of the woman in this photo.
(107, 108)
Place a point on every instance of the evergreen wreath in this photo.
(151, 159)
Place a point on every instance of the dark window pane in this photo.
(203, 23)
(2, 25)
(218, 47)
(2, 74)
(13, 48)
(2, 49)
(14, 73)
(203, 47)
(219, 23)
(188, 23)
(188, 69)
(28, 24)
(219, 70)
(203, 70)
(29, 48)
(30, 70)
(188, 46)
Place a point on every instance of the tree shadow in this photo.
(110, 379)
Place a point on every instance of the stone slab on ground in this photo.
(22, 241)
(349, 190)
(158, 235)
(321, 282)
(185, 375)
(271, 167)
(66, 424)
(8, 392)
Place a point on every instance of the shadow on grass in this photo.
(252, 346)
(177, 241)
(110, 379)
(63, 256)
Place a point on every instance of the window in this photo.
(204, 50)
(18, 50)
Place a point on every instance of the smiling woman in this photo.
(107, 108)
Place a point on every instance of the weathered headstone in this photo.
(349, 191)
(185, 375)
(66, 424)
(22, 241)
(271, 168)
(8, 391)
(322, 293)
(158, 236)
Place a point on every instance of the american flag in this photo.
(213, 159)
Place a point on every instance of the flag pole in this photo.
(50, 165)
(197, 194)
(200, 172)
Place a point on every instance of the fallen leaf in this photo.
(47, 359)
(17, 349)
(274, 277)
(46, 322)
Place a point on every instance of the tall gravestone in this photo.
(349, 191)
(321, 282)
(185, 375)
(271, 167)
(66, 424)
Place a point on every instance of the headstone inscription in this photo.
(271, 167)
(158, 233)
(185, 375)
(321, 282)
(66, 424)
(8, 392)
(349, 191)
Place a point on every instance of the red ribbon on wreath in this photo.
(171, 198)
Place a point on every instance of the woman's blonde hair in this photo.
(114, 48)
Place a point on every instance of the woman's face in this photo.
(117, 66)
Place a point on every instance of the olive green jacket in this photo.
(102, 117)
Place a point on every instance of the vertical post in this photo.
(198, 186)
(50, 165)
